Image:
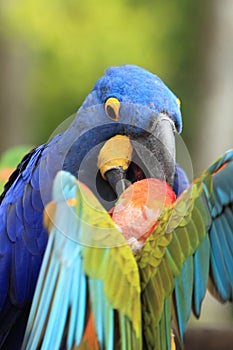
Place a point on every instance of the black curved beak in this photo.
(157, 150)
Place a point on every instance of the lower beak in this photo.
(116, 177)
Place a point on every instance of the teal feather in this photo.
(201, 274)
(59, 312)
(183, 295)
(78, 307)
(225, 248)
(227, 222)
(108, 325)
(219, 270)
(55, 294)
(222, 185)
(81, 308)
(210, 223)
(34, 332)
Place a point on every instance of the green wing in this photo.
(88, 273)
(192, 243)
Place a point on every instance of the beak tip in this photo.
(121, 186)
(117, 179)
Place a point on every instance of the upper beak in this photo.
(158, 150)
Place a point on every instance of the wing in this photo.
(191, 245)
(22, 239)
(17, 263)
(88, 293)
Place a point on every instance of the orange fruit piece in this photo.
(139, 207)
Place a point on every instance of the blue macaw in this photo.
(127, 100)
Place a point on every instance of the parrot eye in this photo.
(112, 107)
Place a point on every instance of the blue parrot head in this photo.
(134, 85)
(131, 101)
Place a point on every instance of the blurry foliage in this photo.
(9, 160)
(69, 44)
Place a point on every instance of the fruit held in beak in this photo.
(138, 209)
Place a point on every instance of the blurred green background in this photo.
(52, 52)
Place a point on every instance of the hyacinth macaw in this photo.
(107, 286)
(127, 100)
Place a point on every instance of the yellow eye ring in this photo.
(112, 107)
(178, 102)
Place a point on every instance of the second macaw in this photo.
(119, 284)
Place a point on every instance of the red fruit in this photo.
(137, 211)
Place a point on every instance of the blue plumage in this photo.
(140, 87)
(181, 181)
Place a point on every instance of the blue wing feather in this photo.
(22, 236)
(78, 297)
(213, 257)
(219, 270)
(183, 294)
(61, 286)
(225, 248)
(201, 274)
(227, 222)
(19, 272)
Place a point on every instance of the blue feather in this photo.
(20, 271)
(81, 301)
(14, 224)
(218, 267)
(181, 181)
(225, 248)
(201, 274)
(5, 268)
(62, 285)
(183, 294)
(108, 325)
(227, 222)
